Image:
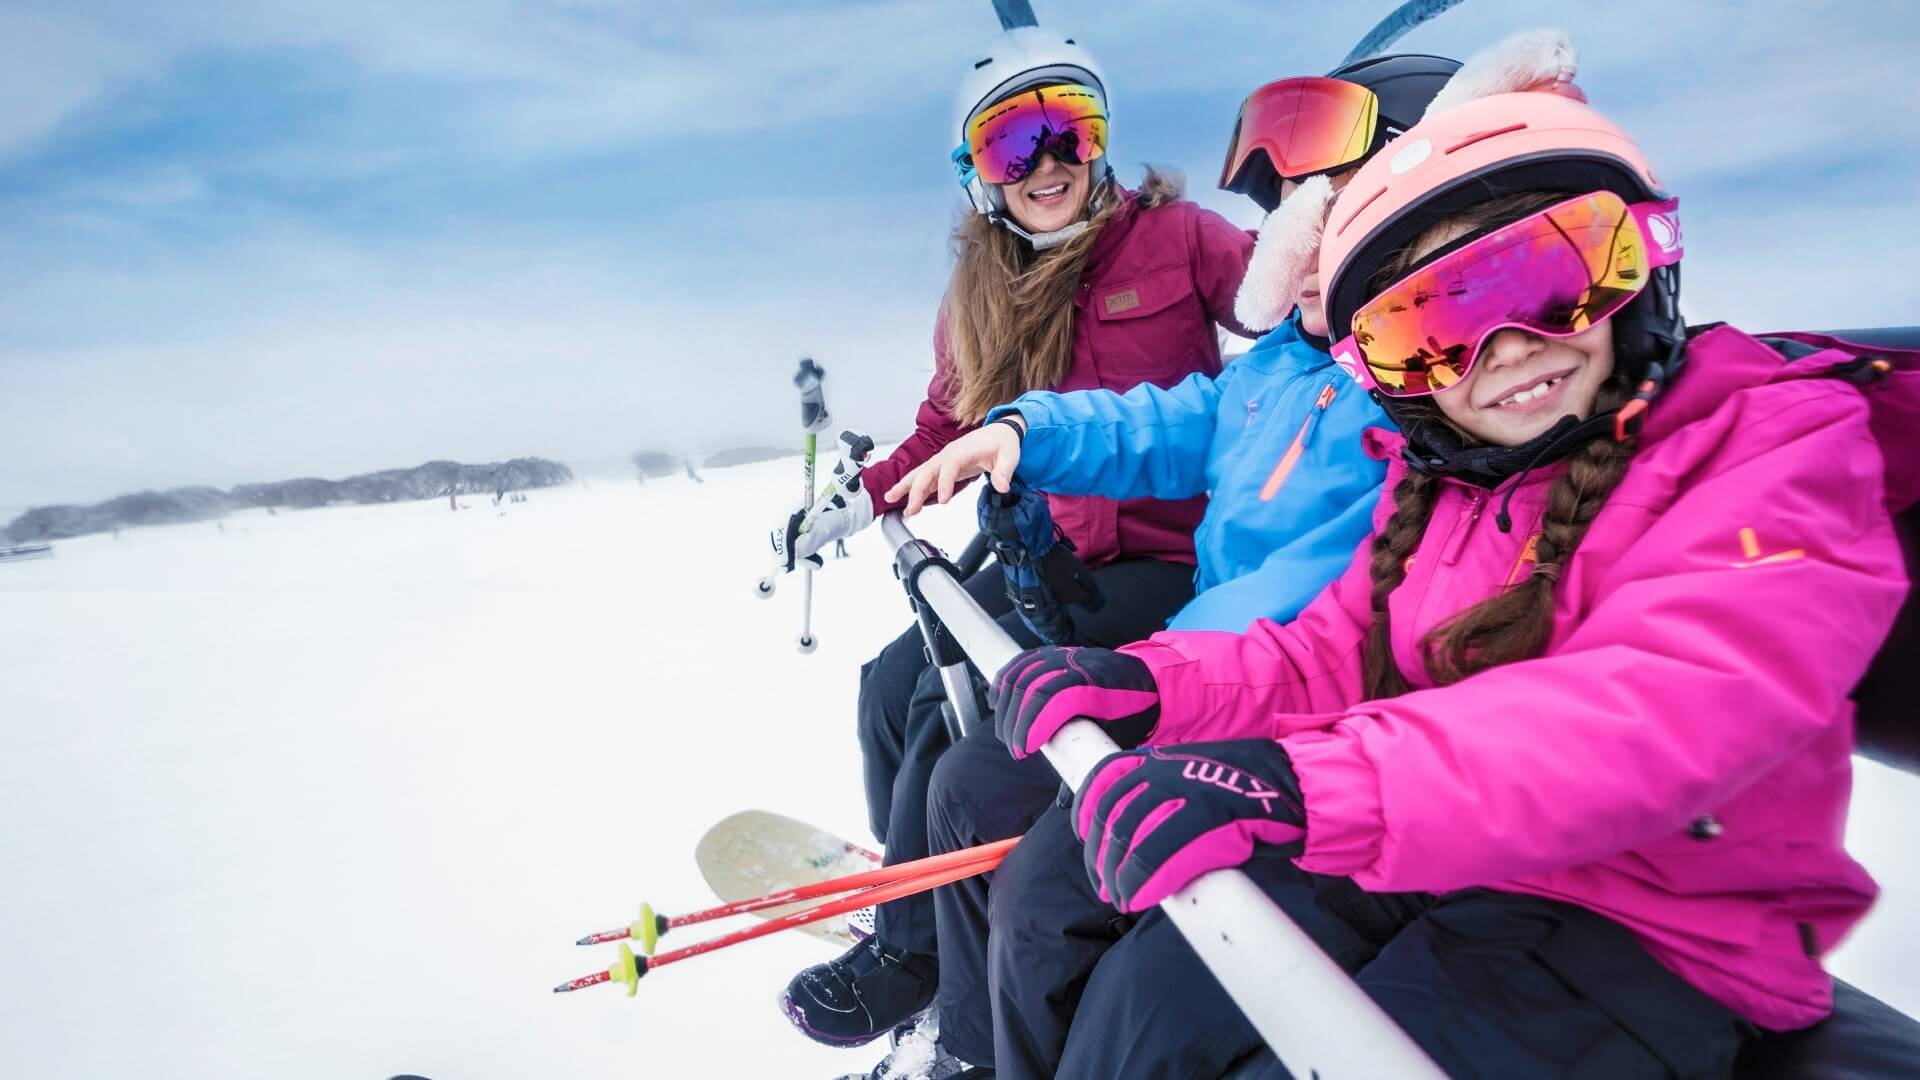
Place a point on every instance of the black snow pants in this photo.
(980, 794)
(1490, 984)
(902, 733)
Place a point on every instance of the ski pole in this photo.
(650, 927)
(814, 418)
(630, 968)
(855, 448)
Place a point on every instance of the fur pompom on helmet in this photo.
(1541, 61)
(1283, 256)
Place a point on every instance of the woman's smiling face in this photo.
(1049, 198)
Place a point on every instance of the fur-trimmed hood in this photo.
(1284, 256)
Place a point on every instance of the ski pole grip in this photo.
(858, 446)
(813, 399)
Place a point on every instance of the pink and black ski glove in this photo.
(1155, 819)
(1039, 691)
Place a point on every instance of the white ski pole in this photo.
(806, 641)
(814, 418)
(1316, 1020)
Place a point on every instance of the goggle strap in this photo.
(1346, 353)
(1660, 224)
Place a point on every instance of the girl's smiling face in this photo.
(1520, 384)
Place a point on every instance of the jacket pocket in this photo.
(1150, 327)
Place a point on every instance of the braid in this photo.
(1413, 502)
(1517, 623)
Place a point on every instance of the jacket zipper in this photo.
(1478, 503)
(1301, 440)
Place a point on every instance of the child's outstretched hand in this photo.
(993, 449)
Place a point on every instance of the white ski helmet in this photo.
(1016, 60)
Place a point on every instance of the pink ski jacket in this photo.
(1678, 759)
(1154, 286)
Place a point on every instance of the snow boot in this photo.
(862, 995)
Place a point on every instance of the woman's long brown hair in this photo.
(1010, 309)
(1516, 623)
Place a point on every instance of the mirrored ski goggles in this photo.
(1306, 125)
(1066, 120)
(1554, 273)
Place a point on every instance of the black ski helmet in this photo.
(1404, 82)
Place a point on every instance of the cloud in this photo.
(529, 76)
(252, 239)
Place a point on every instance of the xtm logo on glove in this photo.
(1153, 820)
(1231, 779)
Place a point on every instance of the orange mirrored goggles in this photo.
(1556, 273)
(1305, 126)
(1066, 120)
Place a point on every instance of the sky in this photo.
(246, 240)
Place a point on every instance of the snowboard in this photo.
(755, 852)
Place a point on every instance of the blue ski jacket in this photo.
(1274, 440)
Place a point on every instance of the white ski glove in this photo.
(838, 514)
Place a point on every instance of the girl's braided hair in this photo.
(1516, 623)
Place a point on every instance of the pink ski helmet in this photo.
(1464, 154)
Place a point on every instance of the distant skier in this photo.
(1559, 766)
(1063, 278)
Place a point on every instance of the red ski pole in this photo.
(630, 968)
(650, 926)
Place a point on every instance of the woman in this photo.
(1275, 441)
(1062, 280)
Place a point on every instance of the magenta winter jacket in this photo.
(1678, 760)
(1155, 283)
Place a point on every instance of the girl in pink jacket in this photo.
(1559, 767)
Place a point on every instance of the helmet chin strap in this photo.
(1038, 241)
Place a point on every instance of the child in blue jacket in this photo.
(1274, 441)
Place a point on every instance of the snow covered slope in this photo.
(329, 794)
